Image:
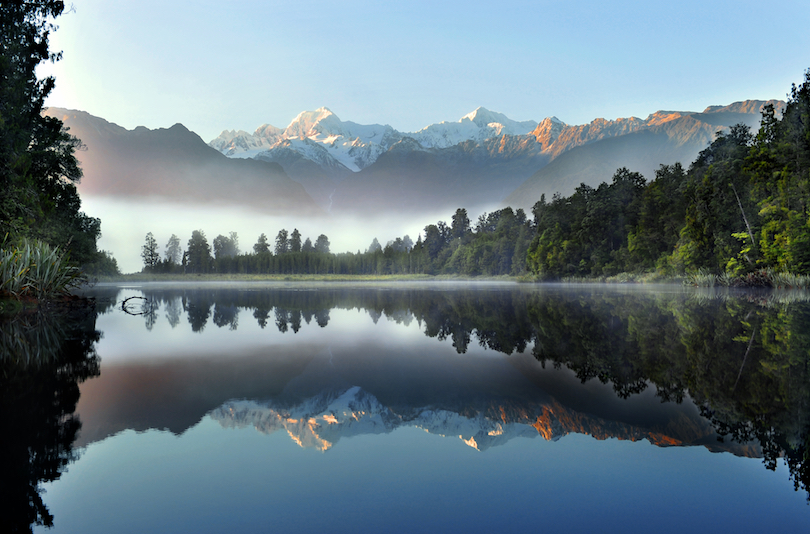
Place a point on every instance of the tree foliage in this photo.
(198, 254)
(740, 208)
(150, 254)
(38, 166)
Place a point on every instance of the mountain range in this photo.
(175, 163)
(320, 163)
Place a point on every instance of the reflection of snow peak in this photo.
(321, 421)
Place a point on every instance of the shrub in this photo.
(33, 268)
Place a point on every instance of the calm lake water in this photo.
(409, 408)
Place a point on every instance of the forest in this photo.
(738, 215)
(495, 245)
(740, 210)
(41, 221)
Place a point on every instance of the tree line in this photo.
(495, 245)
(38, 166)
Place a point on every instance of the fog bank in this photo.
(125, 223)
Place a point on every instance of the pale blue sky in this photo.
(215, 65)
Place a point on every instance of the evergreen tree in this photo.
(150, 254)
(38, 166)
(374, 246)
(261, 245)
(173, 250)
(295, 241)
(322, 244)
(198, 255)
(282, 242)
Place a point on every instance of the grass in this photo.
(34, 269)
(759, 278)
(214, 277)
(623, 278)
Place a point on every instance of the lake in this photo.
(408, 407)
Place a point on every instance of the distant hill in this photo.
(176, 164)
(666, 138)
(482, 161)
(321, 164)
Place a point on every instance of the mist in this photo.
(125, 223)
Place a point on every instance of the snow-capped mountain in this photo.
(477, 126)
(239, 143)
(356, 146)
(318, 135)
(480, 161)
(322, 420)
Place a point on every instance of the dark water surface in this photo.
(407, 408)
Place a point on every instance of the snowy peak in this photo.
(241, 144)
(484, 117)
(478, 126)
(313, 124)
(322, 420)
(319, 136)
(268, 131)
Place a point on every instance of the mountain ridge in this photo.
(175, 163)
(481, 160)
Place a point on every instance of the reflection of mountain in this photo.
(672, 366)
(321, 421)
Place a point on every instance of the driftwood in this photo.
(126, 310)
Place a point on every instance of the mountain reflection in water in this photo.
(740, 357)
(677, 367)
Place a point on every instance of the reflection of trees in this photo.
(149, 309)
(744, 363)
(226, 315)
(173, 308)
(198, 311)
(38, 395)
(744, 359)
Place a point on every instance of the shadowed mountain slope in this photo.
(667, 138)
(176, 164)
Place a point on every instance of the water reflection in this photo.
(43, 358)
(482, 364)
(742, 358)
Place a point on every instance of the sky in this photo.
(214, 65)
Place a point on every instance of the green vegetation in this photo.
(738, 216)
(35, 269)
(39, 207)
(495, 246)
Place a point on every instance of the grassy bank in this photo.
(32, 269)
(212, 277)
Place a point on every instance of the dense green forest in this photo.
(739, 211)
(740, 208)
(38, 165)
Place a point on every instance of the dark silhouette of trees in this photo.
(150, 254)
(38, 166)
(261, 245)
(198, 254)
